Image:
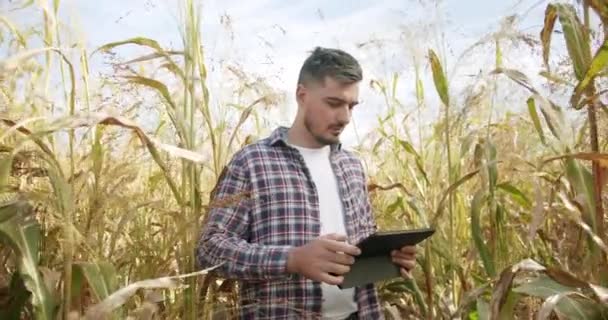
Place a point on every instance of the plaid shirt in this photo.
(273, 206)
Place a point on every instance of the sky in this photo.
(271, 38)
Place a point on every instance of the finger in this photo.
(401, 255)
(336, 269)
(407, 264)
(406, 274)
(409, 249)
(340, 258)
(331, 279)
(335, 237)
(344, 247)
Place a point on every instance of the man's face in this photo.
(327, 108)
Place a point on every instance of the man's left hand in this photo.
(405, 258)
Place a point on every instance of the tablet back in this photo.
(382, 243)
(374, 263)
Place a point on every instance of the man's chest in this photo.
(288, 197)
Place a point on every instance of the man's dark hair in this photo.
(334, 63)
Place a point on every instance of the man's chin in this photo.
(328, 140)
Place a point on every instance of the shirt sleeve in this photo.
(367, 205)
(223, 240)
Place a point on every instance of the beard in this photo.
(322, 140)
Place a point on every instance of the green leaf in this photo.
(97, 152)
(597, 64)
(535, 119)
(578, 47)
(409, 148)
(568, 307)
(477, 234)
(507, 312)
(394, 206)
(101, 277)
(516, 194)
(162, 89)
(483, 309)
(582, 182)
(22, 232)
(490, 151)
(439, 78)
(451, 188)
(394, 87)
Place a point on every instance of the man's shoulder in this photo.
(349, 156)
(257, 150)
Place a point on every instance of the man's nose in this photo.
(344, 115)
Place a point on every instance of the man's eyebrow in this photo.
(336, 99)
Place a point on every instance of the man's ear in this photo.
(300, 93)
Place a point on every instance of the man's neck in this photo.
(297, 135)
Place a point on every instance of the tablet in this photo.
(375, 263)
(383, 242)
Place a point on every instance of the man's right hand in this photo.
(324, 259)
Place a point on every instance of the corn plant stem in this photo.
(600, 269)
(420, 102)
(69, 219)
(450, 201)
(189, 184)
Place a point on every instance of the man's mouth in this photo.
(336, 130)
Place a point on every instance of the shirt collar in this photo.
(279, 135)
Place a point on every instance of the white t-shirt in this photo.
(337, 303)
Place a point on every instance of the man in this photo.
(288, 208)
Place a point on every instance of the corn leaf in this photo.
(517, 195)
(582, 182)
(536, 119)
(162, 89)
(508, 309)
(552, 113)
(120, 297)
(545, 34)
(439, 78)
(573, 29)
(598, 64)
(490, 151)
(6, 165)
(502, 289)
(451, 188)
(477, 234)
(101, 278)
(566, 307)
(601, 158)
(483, 310)
(547, 308)
(22, 232)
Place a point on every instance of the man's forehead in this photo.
(346, 91)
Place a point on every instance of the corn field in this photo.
(105, 178)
